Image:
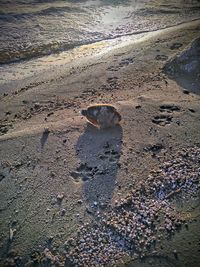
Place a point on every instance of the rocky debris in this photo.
(141, 219)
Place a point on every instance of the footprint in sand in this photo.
(84, 172)
(126, 62)
(161, 57)
(162, 119)
(169, 108)
(176, 46)
(2, 176)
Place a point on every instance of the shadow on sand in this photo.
(99, 152)
(184, 68)
(44, 138)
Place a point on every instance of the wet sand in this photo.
(51, 180)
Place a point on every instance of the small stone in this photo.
(186, 92)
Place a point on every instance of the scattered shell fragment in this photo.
(135, 223)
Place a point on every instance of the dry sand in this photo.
(47, 188)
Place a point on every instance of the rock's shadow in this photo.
(99, 152)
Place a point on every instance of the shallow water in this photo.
(35, 28)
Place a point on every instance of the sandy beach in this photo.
(58, 174)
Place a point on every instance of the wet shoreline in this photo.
(27, 37)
